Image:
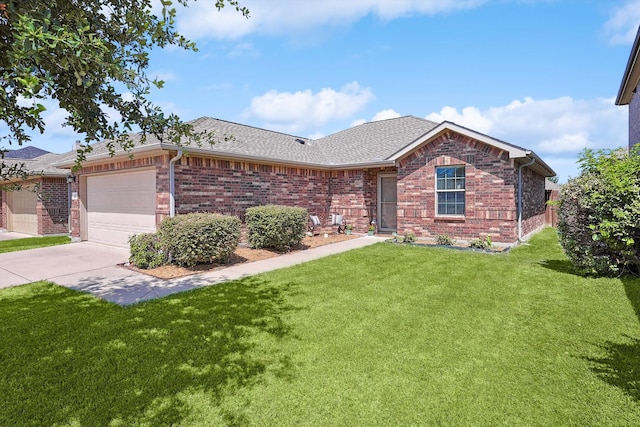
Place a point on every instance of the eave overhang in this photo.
(631, 76)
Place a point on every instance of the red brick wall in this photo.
(53, 208)
(533, 201)
(490, 201)
(354, 195)
(75, 209)
(212, 185)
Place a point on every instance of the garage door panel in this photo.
(120, 205)
(23, 213)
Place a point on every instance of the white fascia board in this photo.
(118, 155)
(631, 76)
(514, 152)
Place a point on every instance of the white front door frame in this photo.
(382, 221)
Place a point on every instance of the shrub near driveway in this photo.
(199, 237)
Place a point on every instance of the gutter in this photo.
(533, 160)
(172, 184)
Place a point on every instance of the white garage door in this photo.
(23, 217)
(120, 205)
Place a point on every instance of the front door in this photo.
(387, 201)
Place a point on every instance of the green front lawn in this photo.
(32, 243)
(385, 335)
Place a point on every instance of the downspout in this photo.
(172, 184)
(520, 196)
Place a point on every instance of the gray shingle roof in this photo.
(42, 165)
(373, 141)
(371, 144)
(366, 143)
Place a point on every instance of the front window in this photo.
(450, 187)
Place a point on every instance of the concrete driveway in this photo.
(55, 263)
(93, 268)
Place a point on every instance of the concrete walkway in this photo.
(103, 278)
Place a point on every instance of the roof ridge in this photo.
(249, 126)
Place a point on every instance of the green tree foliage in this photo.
(599, 215)
(85, 54)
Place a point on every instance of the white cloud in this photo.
(380, 115)
(384, 115)
(470, 117)
(294, 112)
(556, 129)
(202, 19)
(622, 26)
(244, 49)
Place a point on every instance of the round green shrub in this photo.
(199, 238)
(146, 251)
(275, 227)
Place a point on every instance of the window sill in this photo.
(445, 218)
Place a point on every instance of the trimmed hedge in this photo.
(276, 227)
(200, 237)
(147, 251)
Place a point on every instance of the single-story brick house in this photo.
(628, 92)
(41, 206)
(407, 173)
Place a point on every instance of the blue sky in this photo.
(539, 74)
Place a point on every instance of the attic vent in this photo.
(300, 141)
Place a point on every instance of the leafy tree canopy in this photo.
(84, 54)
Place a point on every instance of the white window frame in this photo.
(457, 184)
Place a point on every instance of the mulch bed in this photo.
(241, 255)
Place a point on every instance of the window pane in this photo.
(451, 203)
(450, 178)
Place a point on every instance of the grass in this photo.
(32, 243)
(385, 335)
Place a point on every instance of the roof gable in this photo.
(631, 76)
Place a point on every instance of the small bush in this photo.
(276, 227)
(443, 239)
(146, 251)
(198, 238)
(409, 237)
(481, 243)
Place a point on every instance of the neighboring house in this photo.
(407, 173)
(628, 92)
(41, 206)
(27, 152)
